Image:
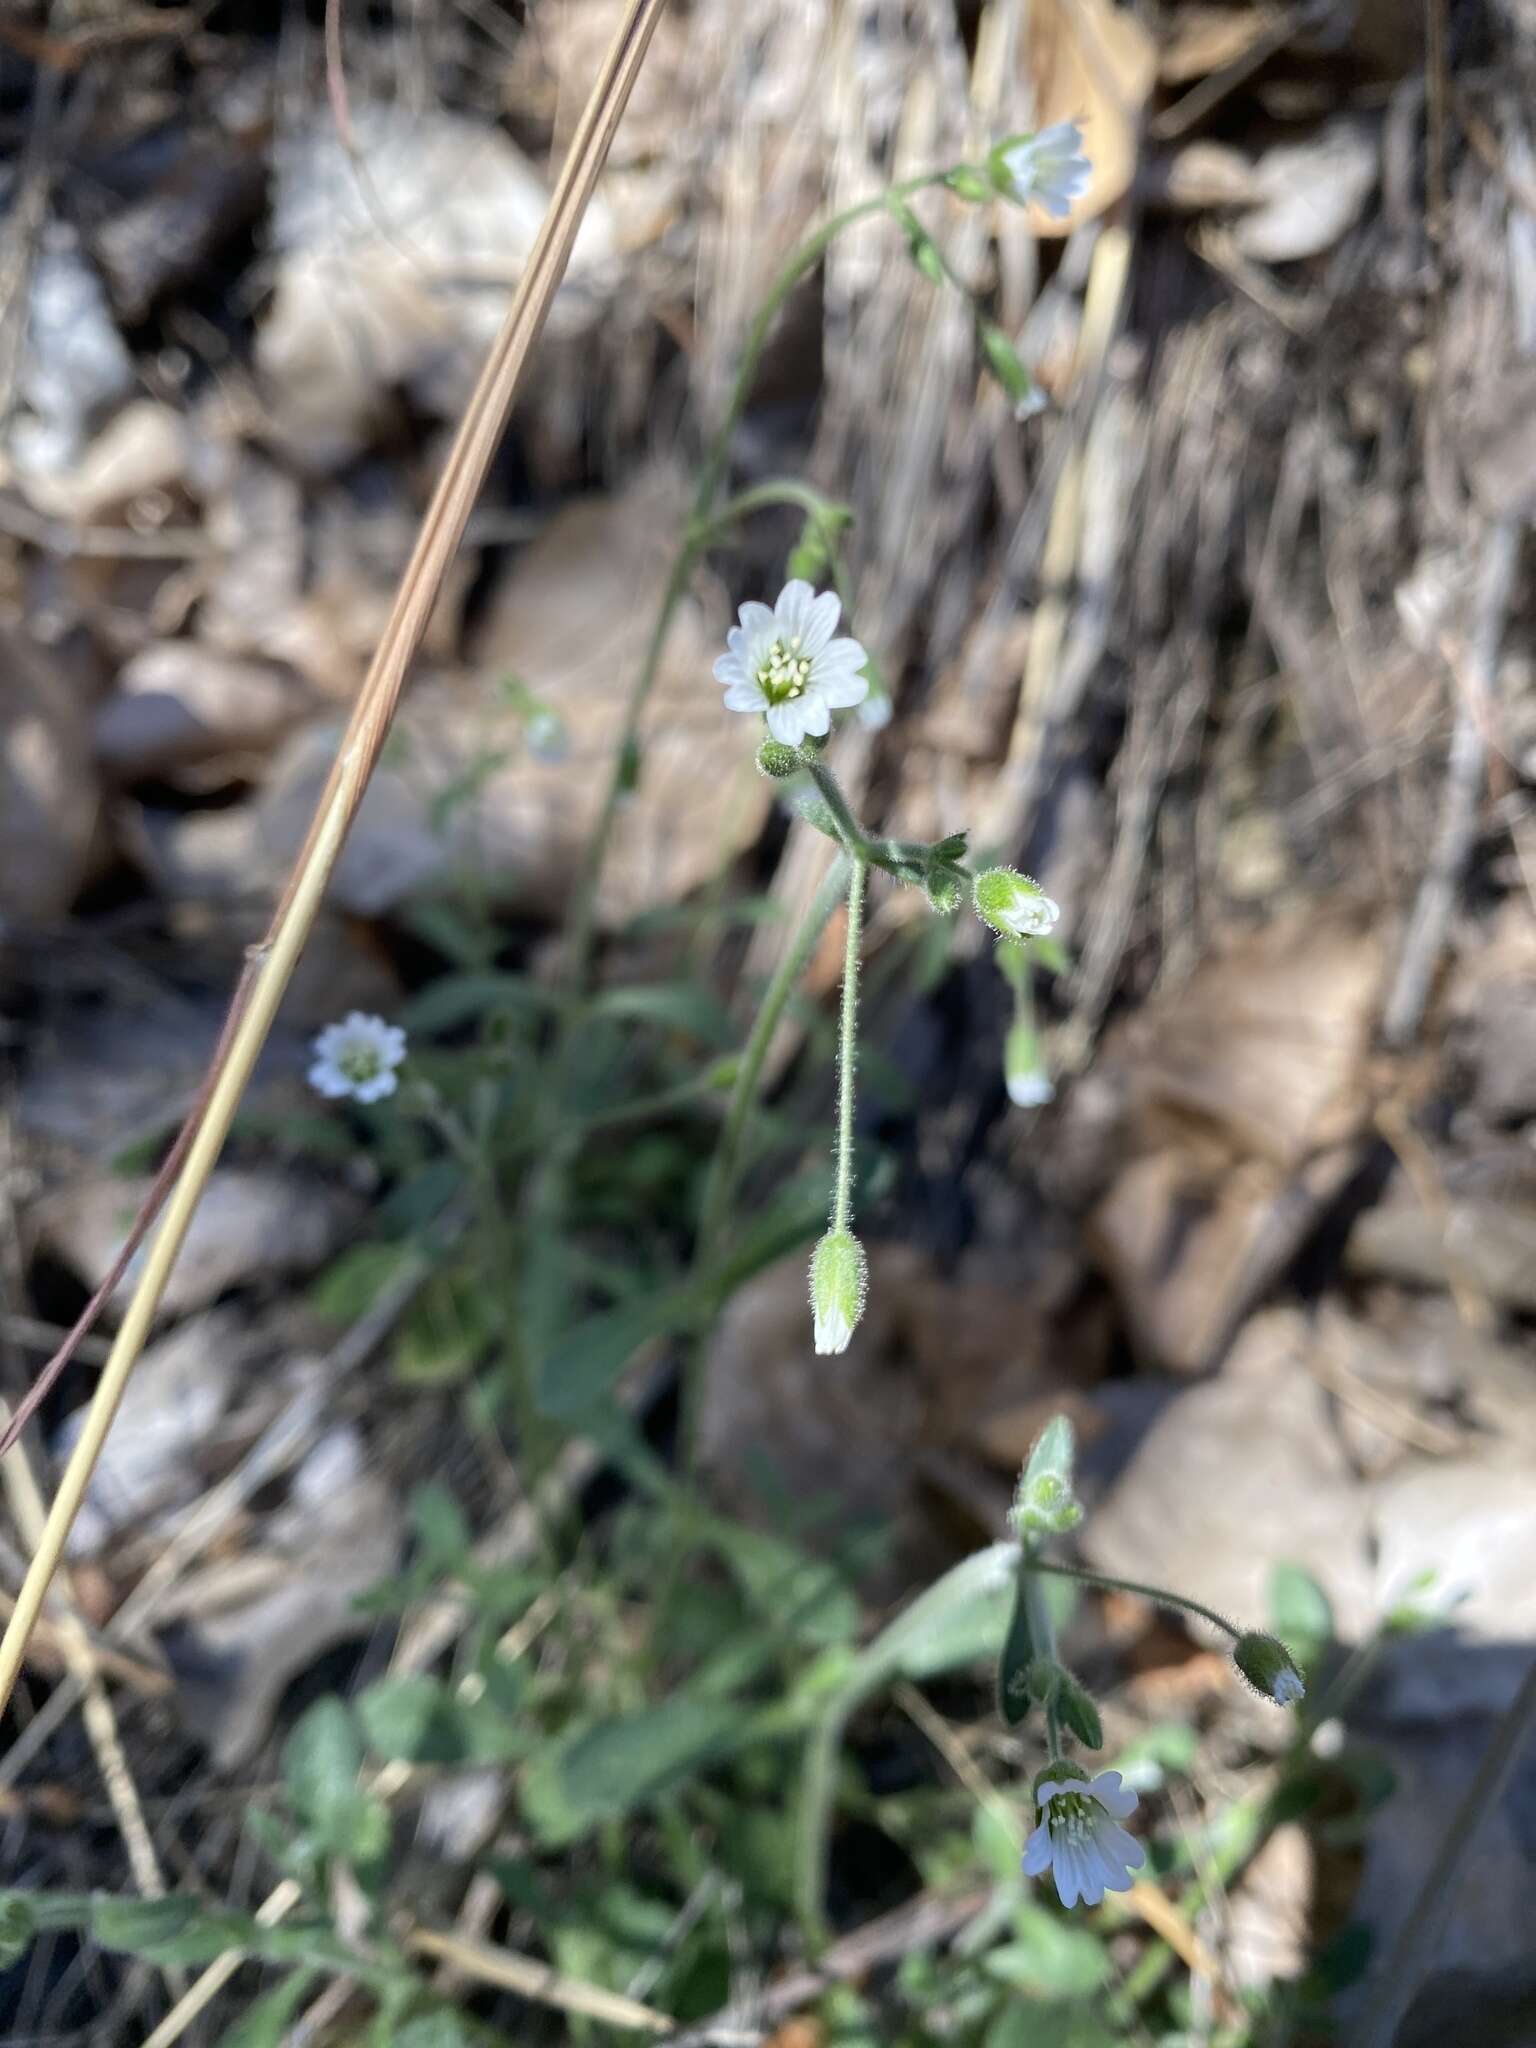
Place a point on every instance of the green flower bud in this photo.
(1014, 906)
(1024, 1069)
(839, 1278)
(777, 761)
(1269, 1668)
(944, 889)
(1044, 1506)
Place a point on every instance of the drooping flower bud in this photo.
(839, 1278)
(1024, 1068)
(1269, 1668)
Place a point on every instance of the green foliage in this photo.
(606, 1772)
(321, 1762)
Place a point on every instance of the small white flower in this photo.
(1079, 1837)
(1288, 1689)
(1049, 168)
(786, 664)
(1030, 1090)
(358, 1057)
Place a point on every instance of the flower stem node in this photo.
(1078, 1836)
(777, 761)
(1269, 1668)
(839, 1281)
(1014, 906)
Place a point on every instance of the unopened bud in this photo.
(777, 761)
(839, 1277)
(1044, 1506)
(1024, 1069)
(944, 890)
(1269, 1668)
(1014, 906)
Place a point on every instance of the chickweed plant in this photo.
(660, 1704)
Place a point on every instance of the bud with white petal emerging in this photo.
(839, 1278)
(1014, 906)
(1269, 1668)
(1024, 1070)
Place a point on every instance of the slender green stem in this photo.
(584, 897)
(763, 497)
(1042, 1630)
(720, 1181)
(1157, 1593)
(855, 842)
(800, 265)
(848, 1050)
(660, 1103)
(711, 473)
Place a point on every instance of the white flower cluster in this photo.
(357, 1057)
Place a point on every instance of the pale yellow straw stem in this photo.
(441, 531)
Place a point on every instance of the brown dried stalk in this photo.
(273, 961)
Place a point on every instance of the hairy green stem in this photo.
(720, 1182)
(848, 1050)
(855, 840)
(1157, 1593)
(711, 474)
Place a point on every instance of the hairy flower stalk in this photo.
(838, 1266)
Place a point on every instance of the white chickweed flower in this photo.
(1079, 1836)
(1014, 906)
(358, 1057)
(785, 664)
(1049, 168)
